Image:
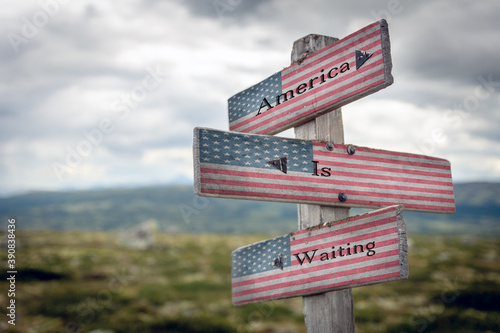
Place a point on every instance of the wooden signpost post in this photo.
(357, 251)
(331, 252)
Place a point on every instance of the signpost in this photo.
(320, 262)
(261, 167)
(356, 251)
(353, 67)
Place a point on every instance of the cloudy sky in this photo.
(104, 94)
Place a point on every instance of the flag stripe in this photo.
(294, 188)
(306, 291)
(343, 178)
(316, 278)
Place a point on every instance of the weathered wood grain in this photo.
(334, 255)
(260, 167)
(323, 77)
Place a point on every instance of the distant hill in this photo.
(177, 209)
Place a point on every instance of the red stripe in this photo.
(345, 230)
(380, 159)
(290, 179)
(300, 188)
(313, 200)
(320, 278)
(366, 280)
(293, 273)
(355, 218)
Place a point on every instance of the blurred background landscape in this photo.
(157, 259)
(98, 102)
(176, 209)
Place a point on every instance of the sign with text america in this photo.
(353, 67)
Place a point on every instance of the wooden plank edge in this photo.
(386, 51)
(403, 243)
(328, 204)
(196, 162)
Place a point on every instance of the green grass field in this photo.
(84, 281)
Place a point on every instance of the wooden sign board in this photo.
(353, 67)
(260, 167)
(357, 251)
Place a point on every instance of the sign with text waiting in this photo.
(261, 167)
(353, 67)
(357, 251)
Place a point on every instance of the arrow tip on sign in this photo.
(361, 58)
(279, 164)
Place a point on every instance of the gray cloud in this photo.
(66, 78)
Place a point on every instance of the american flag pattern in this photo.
(256, 277)
(323, 95)
(235, 165)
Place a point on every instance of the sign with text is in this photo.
(261, 167)
(357, 251)
(353, 67)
